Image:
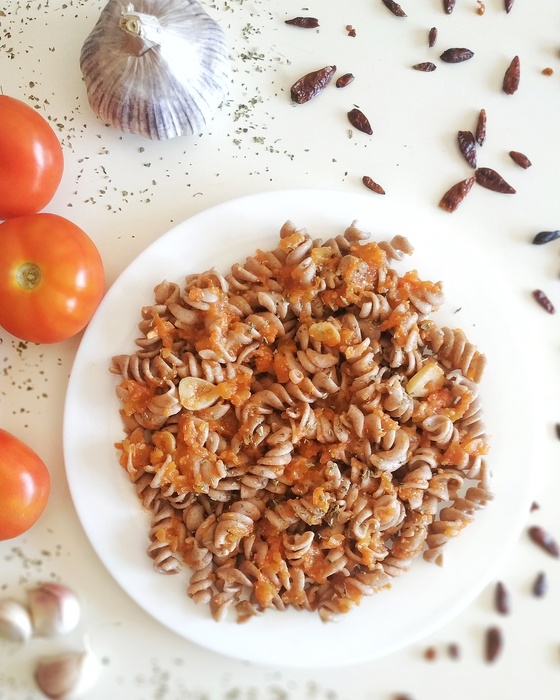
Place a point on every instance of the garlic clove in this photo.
(55, 609)
(15, 621)
(66, 675)
(57, 676)
(197, 394)
(429, 378)
(159, 73)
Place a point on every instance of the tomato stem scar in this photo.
(28, 276)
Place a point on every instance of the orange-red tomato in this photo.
(31, 160)
(51, 278)
(24, 486)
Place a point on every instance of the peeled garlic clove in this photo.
(67, 675)
(55, 609)
(15, 621)
(159, 73)
(196, 394)
(325, 332)
(429, 378)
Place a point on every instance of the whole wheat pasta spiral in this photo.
(299, 428)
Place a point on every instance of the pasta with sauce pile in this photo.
(300, 429)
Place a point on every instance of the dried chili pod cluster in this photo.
(484, 176)
(541, 238)
(454, 55)
(451, 55)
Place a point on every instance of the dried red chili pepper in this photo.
(432, 37)
(359, 120)
(430, 653)
(544, 540)
(395, 8)
(520, 159)
(508, 4)
(344, 80)
(545, 237)
(493, 181)
(540, 586)
(456, 55)
(425, 66)
(494, 643)
(455, 195)
(467, 146)
(502, 599)
(448, 6)
(311, 84)
(512, 76)
(454, 650)
(480, 133)
(303, 22)
(372, 185)
(544, 301)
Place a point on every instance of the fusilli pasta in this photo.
(300, 429)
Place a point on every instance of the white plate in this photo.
(419, 601)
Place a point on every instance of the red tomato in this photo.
(31, 161)
(51, 278)
(25, 487)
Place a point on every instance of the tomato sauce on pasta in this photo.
(300, 429)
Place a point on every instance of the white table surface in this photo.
(125, 192)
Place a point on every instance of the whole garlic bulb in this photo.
(156, 68)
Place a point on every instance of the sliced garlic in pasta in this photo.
(426, 380)
(325, 332)
(197, 394)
